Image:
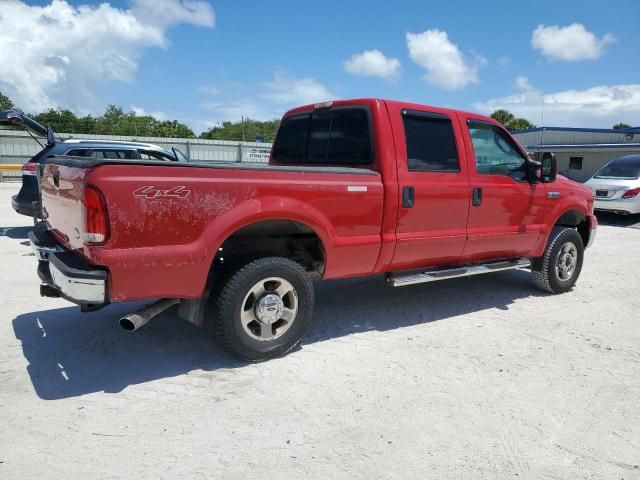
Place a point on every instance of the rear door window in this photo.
(431, 145)
(340, 136)
(151, 155)
(115, 154)
(78, 152)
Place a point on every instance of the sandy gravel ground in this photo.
(482, 377)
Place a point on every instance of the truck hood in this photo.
(16, 120)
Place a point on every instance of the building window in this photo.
(575, 163)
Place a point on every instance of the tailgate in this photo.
(62, 207)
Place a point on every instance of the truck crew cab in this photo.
(354, 187)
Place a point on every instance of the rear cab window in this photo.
(338, 136)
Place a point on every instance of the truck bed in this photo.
(168, 220)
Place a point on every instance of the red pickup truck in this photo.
(354, 187)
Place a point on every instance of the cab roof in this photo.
(398, 103)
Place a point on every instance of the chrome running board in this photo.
(403, 279)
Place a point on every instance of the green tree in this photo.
(114, 121)
(509, 120)
(247, 129)
(5, 102)
(620, 125)
(172, 128)
(520, 124)
(61, 120)
(505, 117)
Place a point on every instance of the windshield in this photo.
(627, 171)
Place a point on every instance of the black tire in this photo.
(229, 299)
(544, 272)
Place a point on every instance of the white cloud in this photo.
(523, 84)
(164, 13)
(141, 112)
(209, 89)
(373, 63)
(59, 54)
(600, 106)
(570, 43)
(445, 64)
(281, 93)
(291, 91)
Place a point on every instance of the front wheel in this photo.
(558, 270)
(261, 310)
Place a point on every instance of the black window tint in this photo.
(350, 141)
(431, 146)
(318, 142)
(116, 154)
(291, 143)
(327, 137)
(78, 153)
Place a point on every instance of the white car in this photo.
(616, 186)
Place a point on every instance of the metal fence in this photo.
(18, 147)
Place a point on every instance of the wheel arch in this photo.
(267, 223)
(283, 237)
(576, 218)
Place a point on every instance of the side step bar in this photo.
(401, 280)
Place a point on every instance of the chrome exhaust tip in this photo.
(139, 318)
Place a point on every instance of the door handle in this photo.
(476, 199)
(408, 197)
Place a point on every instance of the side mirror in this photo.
(549, 167)
(533, 170)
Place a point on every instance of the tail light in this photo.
(631, 193)
(30, 168)
(96, 222)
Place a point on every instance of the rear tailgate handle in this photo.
(476, 199)
(56, 178)
(408, 197)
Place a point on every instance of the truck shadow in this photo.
(72, 354)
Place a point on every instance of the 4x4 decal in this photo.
(150, 191)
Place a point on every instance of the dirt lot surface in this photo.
(483, 377)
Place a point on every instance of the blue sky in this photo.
(204, 62)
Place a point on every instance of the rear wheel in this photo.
(558, 270)
(260, 310)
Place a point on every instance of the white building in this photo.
(581, 151)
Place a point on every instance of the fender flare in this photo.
(253, 211)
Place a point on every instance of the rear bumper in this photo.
(593, 228)
(23, 208)
(67, 273)
(629, 205)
